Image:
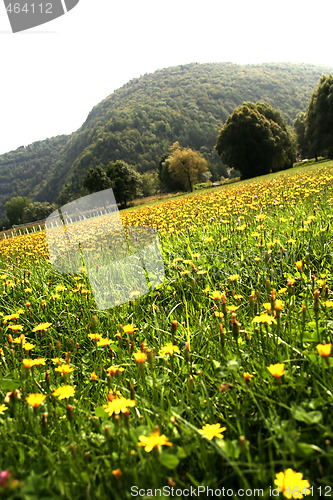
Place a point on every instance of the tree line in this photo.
(254, 140)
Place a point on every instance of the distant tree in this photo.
(150, 183)
(255, 140)
(168, 183)
(299, 126)
(37, 211)
(125, 181)
(186, 166)
(15, 209)
(96, 180)
(319, 119)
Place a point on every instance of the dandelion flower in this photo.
(169, 349)
(3, 408)
(212, 430)
(104, 342)
(154, 440)
(16, 328)
(64, 369)
(118, 405)
(129, 329)
(234, 277)
(42, 327)
(35, 400)
(64, 392)
(328, 304)
(216, 295)
(140, 357)
(292, 484)
(264, 318)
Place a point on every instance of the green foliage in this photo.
(187, 167)
(96, 180)
(140, 121)
(15, 208)
(125, 181)
(37, 211)
(319, 119)
(299, 126)
(255, 140)
(150, 183)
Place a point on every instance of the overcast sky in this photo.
(52, 75)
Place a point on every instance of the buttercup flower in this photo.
(276, 370)
(324, 349)
(292, 484)
(212, 430)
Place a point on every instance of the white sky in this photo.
(52, 75)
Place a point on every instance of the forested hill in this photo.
(138, 122)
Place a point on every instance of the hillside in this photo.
(138, 122)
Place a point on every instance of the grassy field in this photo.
(217, 383)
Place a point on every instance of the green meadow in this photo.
(219, 382)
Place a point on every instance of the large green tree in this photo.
(15, 209)
(125, 181)
(186, 166)
(255, 140)
(319, 119)
(96, 180)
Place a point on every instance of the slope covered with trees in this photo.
(140, 121)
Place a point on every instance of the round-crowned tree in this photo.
(255, 140)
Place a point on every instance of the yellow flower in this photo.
(299, 264)
(219, 314)
(39, 361)
(129, 329)
(94, 336)
(35, 400)
(154, 440)
(328, 304)
(247, 376)
(278, 305)
(113, 370)
(3, 408)
(93, 376)
(292, 484)
(234, 277)
(64, 392)
(264, 318)
(267, 306)
(27, 346)
(19, 340)
(28, 363)
(232, 308)
(212, 430)
(104, 342)
(276, 370)
(16, 328)
(216, 295)
(64, 369)
(324, 349)
(169, 349)
(57, 361)
(42, 327)
(118, 405)
(140, 357)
